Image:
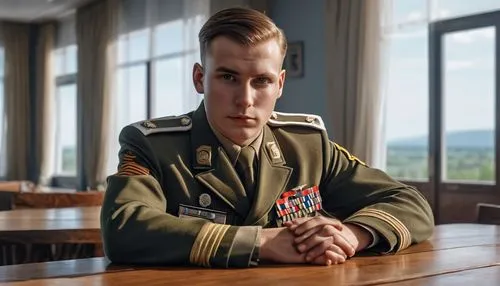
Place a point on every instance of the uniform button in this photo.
(185, 121)
(205, 200)
(310, 119)
(149, 124)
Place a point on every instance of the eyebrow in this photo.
(226, 70)
(265, 75)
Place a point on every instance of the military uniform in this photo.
(177, 197)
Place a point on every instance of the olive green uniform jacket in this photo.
(177, 199)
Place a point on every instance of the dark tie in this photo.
(245, 167)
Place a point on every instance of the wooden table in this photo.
(48, 198)
(62, 225)
(39, 235)
(461, 254)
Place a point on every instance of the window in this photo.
(66, 112)
(157, 48)
(66, 129)
(65, 117)
(468, 93)
(468, 108)
(407, 116)
(2, 115)
(132, 87)
(160, 39)
(1, 91)
(445, 9)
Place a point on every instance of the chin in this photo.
(242, 136)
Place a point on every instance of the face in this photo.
(240, 86)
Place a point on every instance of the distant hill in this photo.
(460, 139)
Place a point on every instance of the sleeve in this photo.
(137, 229)
(357, 193)
(373, 234)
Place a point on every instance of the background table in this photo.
(62, 225)
(38, 235)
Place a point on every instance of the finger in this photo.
(321, 248)
(304, 236)
(334, 257)
(343, 243)
(291, 223)
(298, 222)
(322, 260)
(307, 224)
(314, 241)
(314, 221)
(329, 258)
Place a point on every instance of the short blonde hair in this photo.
(243, 25)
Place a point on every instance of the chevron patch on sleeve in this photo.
(129, 166)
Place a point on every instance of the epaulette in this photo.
(298, 119)
(164, 124)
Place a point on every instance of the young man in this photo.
(234, 182)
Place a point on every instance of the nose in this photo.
(245, 95)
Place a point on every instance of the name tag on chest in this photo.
(214, 216)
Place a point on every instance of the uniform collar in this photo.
(215, 172)
(233, 150)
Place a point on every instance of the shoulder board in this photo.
(297, 119)
(164, 124)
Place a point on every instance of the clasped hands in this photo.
(317, 240)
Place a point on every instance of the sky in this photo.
(468, 64)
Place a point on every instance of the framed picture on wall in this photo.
(294, 59)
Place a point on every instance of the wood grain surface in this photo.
(458, 254)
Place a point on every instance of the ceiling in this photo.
(37, 10)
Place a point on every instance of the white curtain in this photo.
(355, 70)
(44, 107)
(96, 26)
(385, 10)
(369, 131)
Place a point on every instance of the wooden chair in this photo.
(488, 213)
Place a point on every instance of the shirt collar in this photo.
(232, 149)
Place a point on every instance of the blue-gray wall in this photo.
(304, 21)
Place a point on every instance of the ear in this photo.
(198, 75)
(281, 82)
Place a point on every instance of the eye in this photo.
(263, 80)
(228, 77)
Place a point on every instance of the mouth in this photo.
(242, 117)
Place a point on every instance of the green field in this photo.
(475, 164)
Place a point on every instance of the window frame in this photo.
(2, 113)
(437, 30)
(60, 179)
(61, 81)
(150, 62)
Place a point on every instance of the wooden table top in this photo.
(60, 225)
(459, 254)
(49, 198)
